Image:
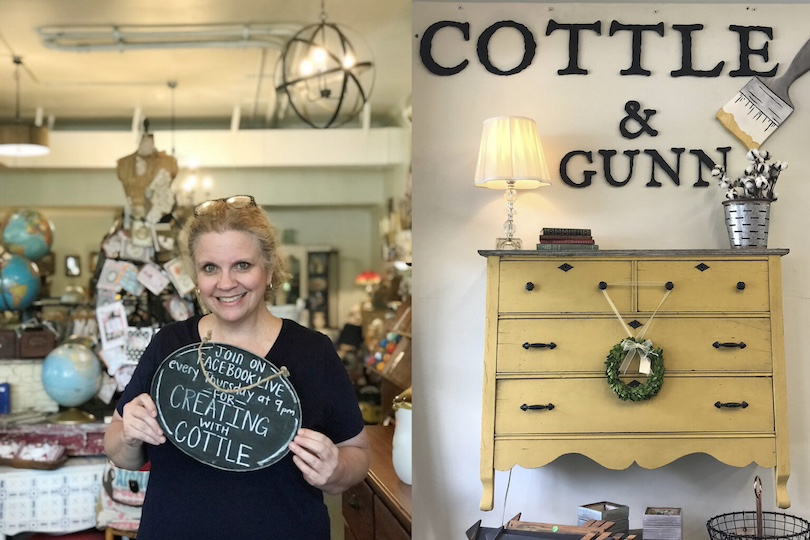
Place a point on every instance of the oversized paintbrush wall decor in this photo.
(552, 328)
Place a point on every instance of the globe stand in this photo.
(71, 416)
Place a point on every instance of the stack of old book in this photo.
(564, 239)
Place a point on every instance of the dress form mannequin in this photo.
(146, 176)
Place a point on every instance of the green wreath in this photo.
(642, 391)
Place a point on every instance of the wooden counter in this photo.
(380, 507)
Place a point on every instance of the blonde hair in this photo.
(220, 217)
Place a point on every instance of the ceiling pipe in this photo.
(97, 38)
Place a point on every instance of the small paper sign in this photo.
(233, 428)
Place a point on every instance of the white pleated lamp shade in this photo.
(511, 155)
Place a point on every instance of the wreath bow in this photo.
(644, 350)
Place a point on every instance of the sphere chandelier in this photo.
(327, 76)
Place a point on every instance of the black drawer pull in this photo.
(729, 345)
(529, 286)
(528, 345)
(548, 407)
(740, 285)
(354, 501)
(732, 405)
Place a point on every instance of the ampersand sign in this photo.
(632, 108)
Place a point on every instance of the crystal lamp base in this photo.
(508, 243)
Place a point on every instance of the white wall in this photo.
(452, 220)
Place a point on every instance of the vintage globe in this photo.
(71, 374)
(28, 233)
(19, 282)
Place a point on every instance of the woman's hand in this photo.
(330, 467)
(124, 438)
(140, 422)
(315, 455)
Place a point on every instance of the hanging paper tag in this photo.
(643, 349)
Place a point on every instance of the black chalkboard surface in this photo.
(213, 412)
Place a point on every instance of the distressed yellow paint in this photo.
(567, 309)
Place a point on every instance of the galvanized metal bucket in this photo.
(747, 221)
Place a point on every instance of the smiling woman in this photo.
(234, 252)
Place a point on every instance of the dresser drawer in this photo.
(705, 285)
(581, 345)
(560, 286)
(358, 511)
(571, 345)
(386, 526)
(727, 344)
(588, 405)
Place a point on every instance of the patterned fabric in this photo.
(62, 500)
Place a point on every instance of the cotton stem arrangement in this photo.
(758, 180)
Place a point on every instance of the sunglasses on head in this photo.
(237, 202)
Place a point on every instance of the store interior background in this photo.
(453, 220)
(223, 120)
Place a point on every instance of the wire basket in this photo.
(743, 525)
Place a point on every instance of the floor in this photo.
(335, 505)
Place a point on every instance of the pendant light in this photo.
(18, 139)
(327, 72)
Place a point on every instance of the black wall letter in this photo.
(586, 181)
(426, 46)
(573, 43)
(637, 29)
(746, 51)
(686, 54)
(529, 47)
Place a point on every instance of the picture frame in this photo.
(93, 261)
(73, 265)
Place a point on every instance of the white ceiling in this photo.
(104, 89)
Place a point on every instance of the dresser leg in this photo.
(488, 498)
(781, 474)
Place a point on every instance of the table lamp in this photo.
(510, 158)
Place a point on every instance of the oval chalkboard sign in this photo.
(216, 414)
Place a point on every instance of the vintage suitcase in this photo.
(8, 343)
(36, 343)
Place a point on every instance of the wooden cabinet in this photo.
(378, 508)
(550, 327)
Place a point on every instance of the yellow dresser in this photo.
(717, 316)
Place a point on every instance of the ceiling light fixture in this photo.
(18, 139)
(327, 76)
